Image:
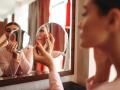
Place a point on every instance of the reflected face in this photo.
(9, 29)
(93, 28)
(43, 35)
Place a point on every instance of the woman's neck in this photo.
(112, 49)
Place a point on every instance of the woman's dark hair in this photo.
(106, 5)
(12, 23)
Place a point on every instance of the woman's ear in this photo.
(114, 20)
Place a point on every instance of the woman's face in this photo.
(93, 28)
(43, 35)
(9, 29)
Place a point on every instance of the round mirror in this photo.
(58, 53)
(59, 34)
(21, 37)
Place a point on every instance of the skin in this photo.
(45, 57)
(43, 35)
(102, 32)
(12, 45)
(12, 27)
(102, 63)
(45, 39)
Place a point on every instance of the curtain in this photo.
(1, 28)
(3, 39)
(33, 20)
(59, 34)
(68, 6)
(67, 63)
(43, 11)
(38, 15)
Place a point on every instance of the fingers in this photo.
(41, 48)
(45, 58)
(12, 46)
(15, 45)
(49, 42)
(37, 57)
(48, 46)
(52, 39)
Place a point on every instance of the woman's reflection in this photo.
(47, 40)
(12, 62)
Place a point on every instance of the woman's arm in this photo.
(11, 70)
(9, 62)
(54, 79)
(46, 59)
(26, 56)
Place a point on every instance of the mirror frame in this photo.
(24, 79)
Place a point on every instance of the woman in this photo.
(44, 37)
(44, 57)
(100, 29)
(11, 62)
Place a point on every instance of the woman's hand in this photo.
(44, 58)
(12, 48)
(50, 41)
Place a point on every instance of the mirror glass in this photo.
(60, 45)
(21, 37)
(60, 35)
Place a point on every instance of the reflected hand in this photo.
(50, 41)
(45, 58)
(12, 47)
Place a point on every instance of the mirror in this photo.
(21, 37)
(60, 45)
(60, 35)
(58, 14)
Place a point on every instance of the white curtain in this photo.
(33, 20)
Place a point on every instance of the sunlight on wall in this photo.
(21, 16)
(92, 67)
(57, 6)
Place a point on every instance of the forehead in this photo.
(12, 26)
(44, 29)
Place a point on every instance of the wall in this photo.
(81, 64)
(81, 55)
